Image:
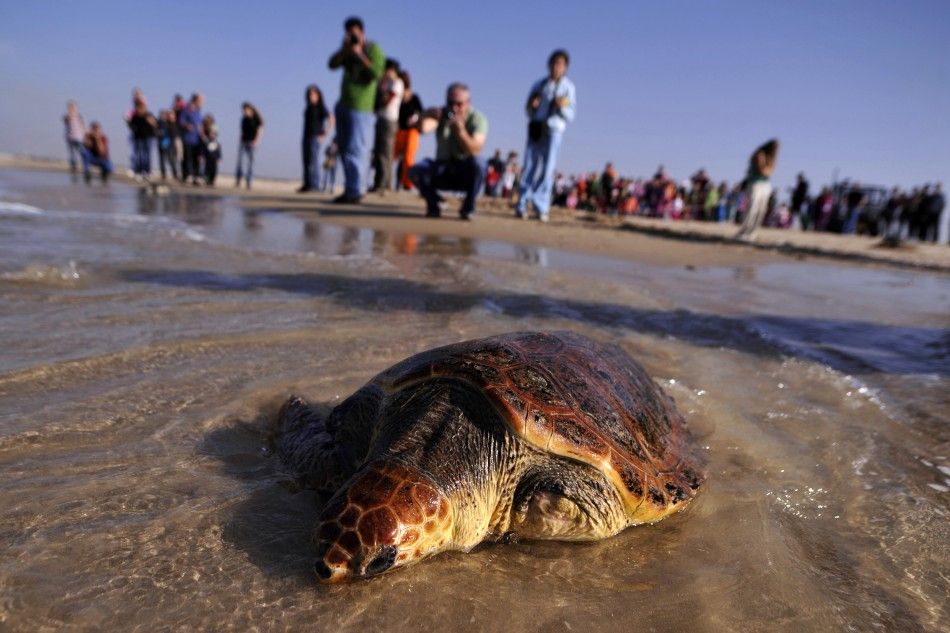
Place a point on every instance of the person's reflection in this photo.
(202, 210)
(252, 220)
(349, 241)
(532, 255)
(745, 273)
(407, 244)
(379, 243)
(147, 204)
(311, 230)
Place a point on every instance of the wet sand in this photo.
(146, 341)
(670, 243)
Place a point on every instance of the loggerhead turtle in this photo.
(530, 435)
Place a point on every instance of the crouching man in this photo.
(460, 133)
(96, 153)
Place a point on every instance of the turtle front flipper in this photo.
(306, 448)
(324, 451)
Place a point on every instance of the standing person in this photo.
(211, 149)
(509, 176)
(316, 122)
(143, 127)
(551, 105)
(934, 205)
(167, 133)
(460, 133)
(799, 198)
(75, 134)
(329, 168)
(855, 202)
(493, 174)
(407, 138)
(362, 64)
(389, 99)
(190, 125)
(96, 153)
(252, 125)
(758, 187)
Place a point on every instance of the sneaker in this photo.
(346, 198)
(434, 211)
(304, 189)
(467, 217)
(543, 217)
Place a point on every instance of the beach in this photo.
(148, 336)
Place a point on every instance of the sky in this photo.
(857, 89)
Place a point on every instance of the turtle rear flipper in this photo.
(305, 446)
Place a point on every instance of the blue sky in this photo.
(862, 87)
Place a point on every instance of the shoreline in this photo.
(649, 240)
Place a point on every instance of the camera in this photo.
(354, 39)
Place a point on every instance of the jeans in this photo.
(311, 162)
(353, 132)
(329, 178)
(166, 154)
(245, 149)
(142, 156)
(88, 161)
(75, 150)
(383, 153)
(190, 162)
(466, 175)
(537, 174)
(851, 224)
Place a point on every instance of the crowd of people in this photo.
(377, 121)
(187, 141)
(845, 207)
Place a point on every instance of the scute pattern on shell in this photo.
(577, 398)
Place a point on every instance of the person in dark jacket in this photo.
(252, 125)
(317, 122)
(143, 127)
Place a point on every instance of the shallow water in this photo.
(145, 341)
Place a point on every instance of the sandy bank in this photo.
(638, 239)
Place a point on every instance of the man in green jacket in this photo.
(362, 64)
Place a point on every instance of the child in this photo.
(212, 149)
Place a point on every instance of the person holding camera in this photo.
(388, 99)
(460, 133)
(362, 64)
(551, 105)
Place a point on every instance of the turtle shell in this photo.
(568, 395)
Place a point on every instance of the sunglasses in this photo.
(453, 104)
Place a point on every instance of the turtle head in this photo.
(387, 515)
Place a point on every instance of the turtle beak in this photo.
(331, 568)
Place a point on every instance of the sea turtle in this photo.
(529, 435)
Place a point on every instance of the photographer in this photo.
(460, 133)
(362, 64)
(550, 106)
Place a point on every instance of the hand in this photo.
(535, 102)
(457, 125)
(563, 102)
